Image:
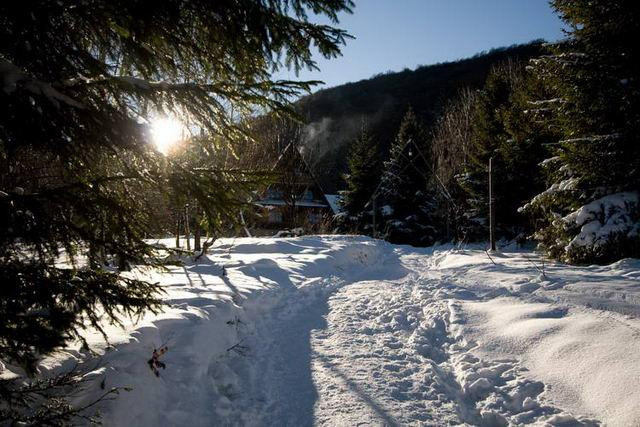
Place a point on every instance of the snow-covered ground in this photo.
(338, 330)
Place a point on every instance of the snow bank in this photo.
(585, 359)
(589, 364)
(214, 308)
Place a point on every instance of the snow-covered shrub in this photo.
(608, 228)
(603, 230)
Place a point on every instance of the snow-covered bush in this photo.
(603, 230)
(608, 228)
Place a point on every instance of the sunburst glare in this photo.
(166, 132)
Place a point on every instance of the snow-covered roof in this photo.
(334, 202)
(301, 203)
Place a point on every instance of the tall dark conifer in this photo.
(506, 130)
(405, 197)
(362, 181)
(590, 212)
(78, 78)
(488, 134)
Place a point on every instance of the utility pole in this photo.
(492, 213)
(373, 200)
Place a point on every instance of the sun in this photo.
(166, 132)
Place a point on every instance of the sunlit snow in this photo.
(340, 330)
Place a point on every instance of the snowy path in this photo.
(450, 340)
(387, 356)
(343, 331)
(366, 374)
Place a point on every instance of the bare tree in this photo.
(452, 137)
(451, 143)
(290, 170)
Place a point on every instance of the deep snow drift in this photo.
(339, 330)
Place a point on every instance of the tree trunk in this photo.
(186, 227)
(196, 236)
(123, 265)
(103, 236)
(197, 232)
(94, 256)
(177, 231)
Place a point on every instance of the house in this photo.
(295, 199)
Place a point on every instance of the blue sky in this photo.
(398, 34)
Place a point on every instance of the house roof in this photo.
(320, 199)
(301, 203)
(334, 202)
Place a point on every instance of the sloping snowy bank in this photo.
(215, 308)
(575, 329)
(338, 330)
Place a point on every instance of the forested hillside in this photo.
(335, 115)
(545, 148)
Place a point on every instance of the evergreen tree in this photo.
(405, 198)
(488, 135)
(79, 78)
(362, 181)
(590, 212)
(504, 129)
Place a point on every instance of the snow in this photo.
(550, 161)
(547, 101)
(593, 138)
(346, 330)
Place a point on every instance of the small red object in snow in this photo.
(154, 363)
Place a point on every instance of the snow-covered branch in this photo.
(14, 77)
